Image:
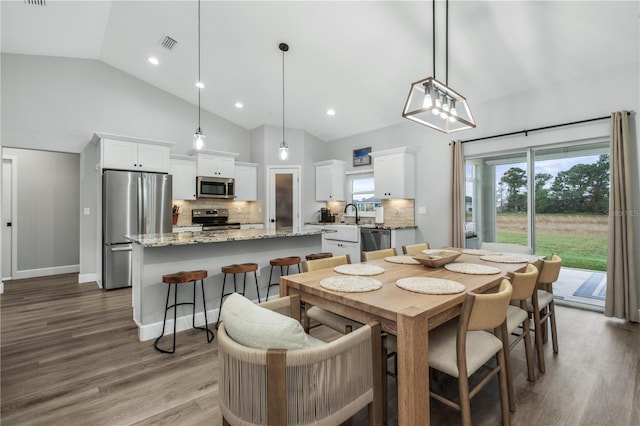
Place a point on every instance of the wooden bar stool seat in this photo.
(175, 279)
(281, 262)
(237, 268)
(314, 256)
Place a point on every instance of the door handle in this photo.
(121, 249)
(273, 220)
(9, 224)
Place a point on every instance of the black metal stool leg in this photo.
(175, 314)
(166, 308)
(224, 280)
(255, 277)
(269, 284)
(210, 334)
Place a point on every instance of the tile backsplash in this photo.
(239, 211)
(399, 212)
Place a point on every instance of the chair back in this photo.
(550, 270)
(524, 283)
(378, 254)
(414, 248)
(329, 262)
(487, 310)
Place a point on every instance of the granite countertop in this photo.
(207, 237)
(371, 226)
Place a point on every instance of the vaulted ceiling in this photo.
(357, 58)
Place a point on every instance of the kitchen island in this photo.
(158, 254)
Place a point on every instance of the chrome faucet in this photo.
(356, 209)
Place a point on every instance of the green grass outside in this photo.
(576, 251)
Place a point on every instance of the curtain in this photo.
(456, 231)
(622, 288)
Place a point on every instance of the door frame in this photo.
(270, 201)
(14, 215)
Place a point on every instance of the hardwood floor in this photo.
(70, 355)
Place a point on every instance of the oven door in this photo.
(211, 187)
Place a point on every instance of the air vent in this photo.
(36, 2)
(167, 42)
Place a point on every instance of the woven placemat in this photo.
(407, 260)
(472, 268)
(359, 269)
(428, 285)
(478, 252)
(350, 284)
(499, 258)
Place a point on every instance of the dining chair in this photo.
(278, 385)
(378, 254)
(524, 284)
(460, 348)
(413, 249)
(542, 307)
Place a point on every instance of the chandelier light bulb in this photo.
(198, 140)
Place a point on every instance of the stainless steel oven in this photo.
(215, 187)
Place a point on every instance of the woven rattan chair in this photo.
(378, 254)
(413, 249)
(460, 348)
(524, 284)
(542, 308)
(323, 385)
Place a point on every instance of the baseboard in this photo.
(43, 272)
(88, 278)
(152, 331)
(1, 287)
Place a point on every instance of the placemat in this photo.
(359, 269)
(472, 268)
(350, 284)
(428, 285)
(478, 252)
(499, 258)
(407, 260)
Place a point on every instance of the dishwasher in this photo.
(374, 239)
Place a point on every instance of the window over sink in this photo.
(361, 189)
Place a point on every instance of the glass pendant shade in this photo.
(283, 151)
(449, 113)
(198, 140)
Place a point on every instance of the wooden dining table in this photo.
(405, 314)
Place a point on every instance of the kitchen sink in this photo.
(342, 233)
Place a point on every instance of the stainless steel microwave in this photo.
(215, 187)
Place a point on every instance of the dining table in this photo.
(406, 314)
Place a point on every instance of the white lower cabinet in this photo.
(339, 248)
(252, 226)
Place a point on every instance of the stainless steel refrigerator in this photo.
(132, 203)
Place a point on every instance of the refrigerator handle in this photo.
(141, 229)
(114, 249)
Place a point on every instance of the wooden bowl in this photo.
(437, 259)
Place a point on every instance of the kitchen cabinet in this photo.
(339, 248)
(394, 173)
(246, 182)
(139, 156)
(217, 164)
(330, 180)
(402, 237)
(345, 239)
(183, 169)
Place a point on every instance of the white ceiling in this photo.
(358, 58)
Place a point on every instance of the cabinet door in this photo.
(329, 183)
(227, 167)
(119, 155)
(394, 176)
(153, 158)
(216, 166)
(340, 248)
(246, 183)
(381, 177)
(184, 179)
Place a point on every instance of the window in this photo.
(362, 194)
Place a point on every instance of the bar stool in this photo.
(314, 256)
(282, 262)
(237, 268)
(183, 277)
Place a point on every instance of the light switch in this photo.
(87, 211)
(422, 210)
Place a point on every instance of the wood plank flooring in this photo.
(70, 355)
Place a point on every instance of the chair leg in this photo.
(224, 281)
(509, 373)
(528, 350)
(210, 335)
(166, 308)
(539, 341)
(465, 401)
(504, 397)
(255, 277)
(554, 333)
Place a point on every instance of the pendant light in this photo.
(198, 136)
(435, 104)
(284, 148)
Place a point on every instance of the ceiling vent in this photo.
(36, 2)
(167, 42)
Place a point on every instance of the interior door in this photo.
(284, 198)
(7, 217)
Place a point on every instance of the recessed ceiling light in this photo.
(199, 85)
(331, 112)
(239, 105)
(153, 60)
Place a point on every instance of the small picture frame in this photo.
(361, 157)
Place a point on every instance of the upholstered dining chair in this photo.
(272, 373)
(413, 249)
(542, 307)
(378, 254)
(524, 284)
(461, 347)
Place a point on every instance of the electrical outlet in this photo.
(422, 210)
(87, 211)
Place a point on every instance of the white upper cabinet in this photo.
(246, 182)
(330, 180)
(183, 169)
(394, 173)
(127, 154)
(216, 164)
